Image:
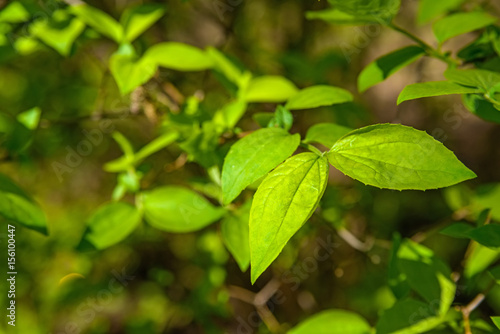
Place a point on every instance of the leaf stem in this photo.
(428, 49)
(311, 148)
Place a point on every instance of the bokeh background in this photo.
(188, 283)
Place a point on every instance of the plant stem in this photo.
(428, 49)
(311, 148)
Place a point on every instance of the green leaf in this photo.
(59, 36)
(398, 157)
(129, 71)
(480, 107)
(98, 20)
(333, 322)
(270, 88)
(433, 88)
(110, 224)
(427, 275)
(430, 9)
(326, 134)
(225, 66)
(480, 259)
(254, 156)
(487, 235)
(14, 12)
(458, 230)
(495, 273)
(382, 10)
(282, 119)
(155, 145)
(408, 316)
(178, 56)
(229, 115)
(263, 118)
(138, 19)
(30, 118)
(17, 208)
(496, 321)
(387, 65)
(283, 202)
(234, 230)
(461, 23)
(179, 210)
(318, 96)
(336, 16)
(483, 79)
(487, 197)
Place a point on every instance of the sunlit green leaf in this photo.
(110, 224)
(234, 230)
(254, 156)
(326, 134)
(483, 79)
(177, 209)
(30, 118)
(14, 12)
(178, 56)
(60, 36)
(387, 65)
(398, 157)
(318, 96)
(461, 23)
(333, 322)
(382, 10)
(283, 202)
(433, 88)
(98, 20)
(137, 19)
(270, 88)
(430, 9)
(128, 70)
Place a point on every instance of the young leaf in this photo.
(225, 66)
(408, 316)
(433, 88)
(382, 10)
(336, 16)
(318, 96)
(483, 79)
(387, 65)
(155, 145)
(333, 322)
(283, 202)
(14, 12)
(254, 156)
(270, 88)
(110, 224)
(98, 20)
(282, 119)
(30, 118)
(177, 209)
(138, 19)
(128, 71)
(326, 134)
(430, 9)
(480, 258)
(458, 230)
(15, 205)
(178, 56)
(229, 115)
(496, 321)
(461, 23)
(234, 230)
(60, 38)
(397, 157)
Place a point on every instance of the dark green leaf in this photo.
(19, 209)
(387, 65)
(234, 229)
